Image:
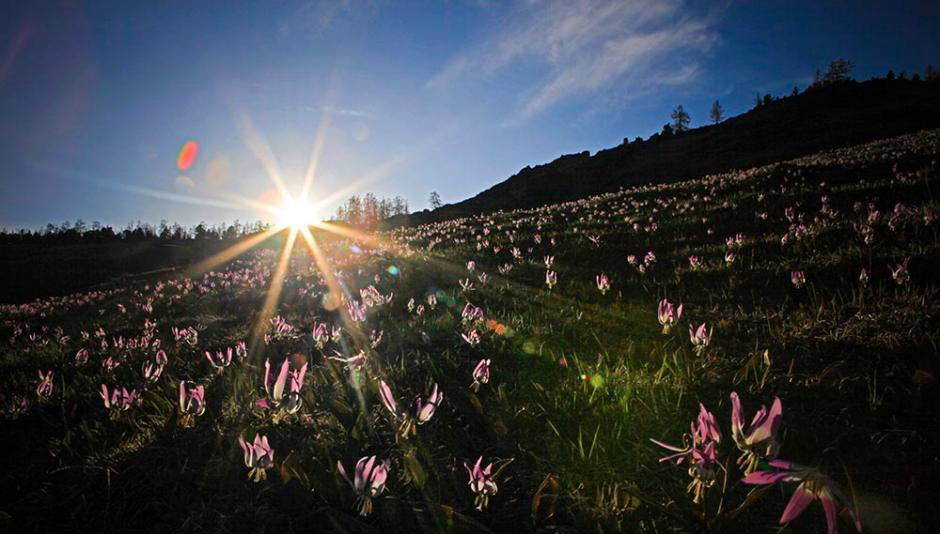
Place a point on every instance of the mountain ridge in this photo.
(820, 118)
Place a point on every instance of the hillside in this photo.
(563, 351)
(820, 118)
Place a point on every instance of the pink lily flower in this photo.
(668, 315)
(798, 278)
(118, 400)
(813, 485)
(472, 337)
(761, 438)
(423, 409)
(353, 363)
(481, 483)
(275, 390)
(701, 454)
(368, 482)
(700, 338)
(551, 279)
(44, 387)
(192, 399)
(481, 374)
(152, 372)
(220, 361)
(388, 400)
(900, 274)
(603, 283)
(259, 456)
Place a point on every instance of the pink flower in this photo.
(863, 276)
(192, 399)
(481, 483)
(118, 400)
(701, 454)
(668, 315)
(423, 408)
(700, 338)
(603, 283)
(761, 438)
(481, 374)
(900, 274)
(551, 279)
(354, 363)
(259, 456)
(798, 279)
(368, 481)
(44, 386)
(813, 485)
(471, 337)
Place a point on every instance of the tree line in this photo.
(80, 231)
(367, 211)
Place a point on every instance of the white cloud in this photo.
(340, 111)
(185, 182)
(584, 46)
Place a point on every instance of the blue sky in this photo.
(97, 98)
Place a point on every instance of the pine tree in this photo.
(680, 119)
(716, 113)
(434, 200)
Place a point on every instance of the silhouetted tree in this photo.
(930, 73)
(667, 131)
(354, 210)
(367, 211)
(795, 91)
(838, 71)
(434, 200)
(680, 119)
(716, 113)
(890, 74)
(370, 211)
(400, 206)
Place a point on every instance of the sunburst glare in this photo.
(297, 214)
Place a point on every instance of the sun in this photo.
(297, 215)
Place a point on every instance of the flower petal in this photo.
(798, 502)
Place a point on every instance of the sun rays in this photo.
(294, 217)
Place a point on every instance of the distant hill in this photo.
(820, 118)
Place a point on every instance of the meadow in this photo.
(520, 371)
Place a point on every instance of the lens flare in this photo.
(187, 155)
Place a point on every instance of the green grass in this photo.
(580, 380)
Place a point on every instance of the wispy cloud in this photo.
(585, 46)
(340, 111)
(185, 182)
(320, 15)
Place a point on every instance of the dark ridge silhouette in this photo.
(822, 117)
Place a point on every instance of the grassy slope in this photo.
(854, 367)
